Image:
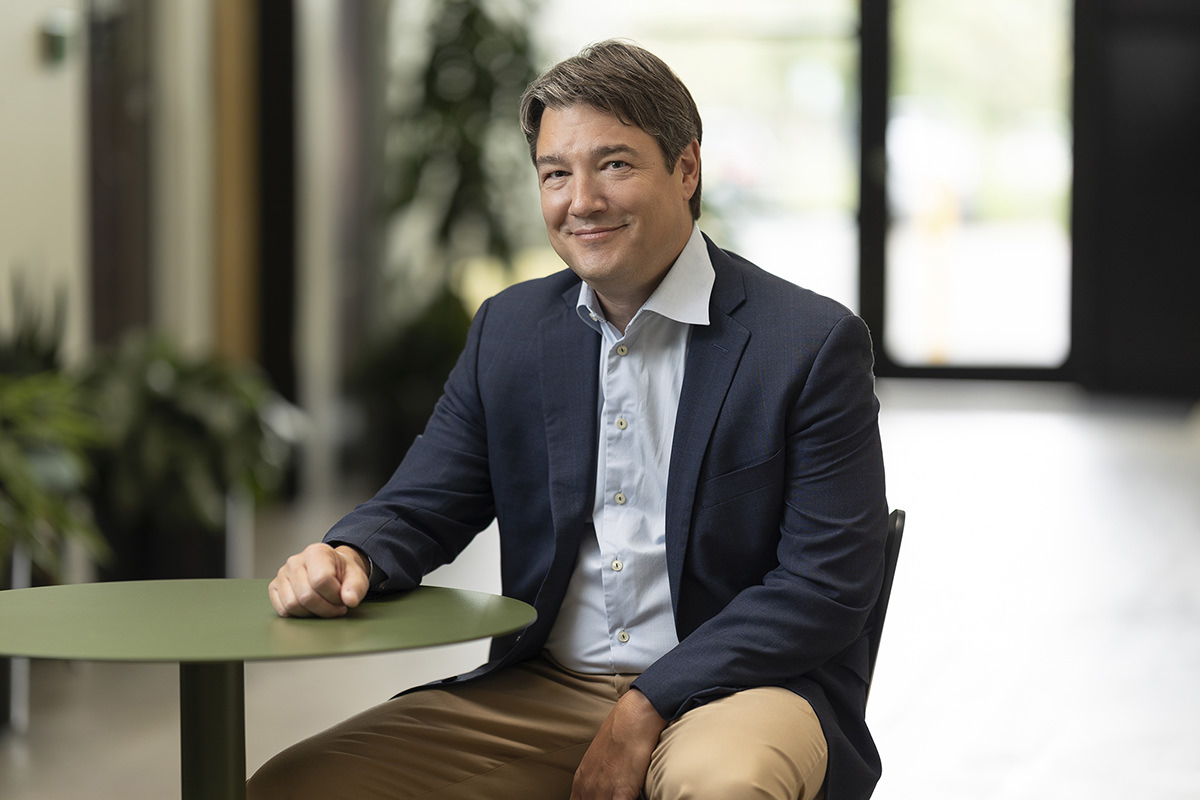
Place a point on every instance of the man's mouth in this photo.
(595, 232)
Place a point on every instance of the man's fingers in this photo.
(302, 601)
(276, 601)
(354, 587)
(320, 572)
(284, 600)
(355, 581)
(309, 584)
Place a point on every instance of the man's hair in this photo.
(625, 80)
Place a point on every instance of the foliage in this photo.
(401, 379)
(44, 430)
(181, 433)
(455, 165)
(34, 344)
(453, 141)
(145, 443)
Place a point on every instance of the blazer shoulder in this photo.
(768, 296)
(535, 297)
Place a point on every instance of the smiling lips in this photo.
(594, 233)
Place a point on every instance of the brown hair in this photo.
(627, 81)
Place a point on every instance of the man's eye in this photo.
(553, 175)
(617, 164)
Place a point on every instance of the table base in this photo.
(212, 710)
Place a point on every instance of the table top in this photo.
(232, 620)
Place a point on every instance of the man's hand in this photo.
(320, 581)
(614, 766)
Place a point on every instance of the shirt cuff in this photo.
(376, 577)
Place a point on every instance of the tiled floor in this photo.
(1043, 639)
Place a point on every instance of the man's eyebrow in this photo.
(614, 149)
(554, 160)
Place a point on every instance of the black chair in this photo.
(891, 553)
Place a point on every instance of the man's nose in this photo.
(587, 197)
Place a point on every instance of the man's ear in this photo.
(689, 168)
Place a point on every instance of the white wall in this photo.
(43, 222)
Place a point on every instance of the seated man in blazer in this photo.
(682, 455)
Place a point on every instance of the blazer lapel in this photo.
(570, 384)
(713, 356)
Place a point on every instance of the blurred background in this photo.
(241, 241)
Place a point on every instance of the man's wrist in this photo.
(644, 715)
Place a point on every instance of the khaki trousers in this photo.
(521, 734)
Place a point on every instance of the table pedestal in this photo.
(212, 711)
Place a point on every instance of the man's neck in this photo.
(619, 311)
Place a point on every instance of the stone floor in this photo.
(1043, 639)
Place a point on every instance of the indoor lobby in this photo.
(1003, 189)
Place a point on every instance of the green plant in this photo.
(400, 379)
(455, 166)
(34, 344)
(455, 145)
(456, 184)
(181, 434)
(45, 429)
(44, 432)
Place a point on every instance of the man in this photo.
(682, 455)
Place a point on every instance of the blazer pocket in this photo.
(731, 485)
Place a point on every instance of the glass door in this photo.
(974, 166)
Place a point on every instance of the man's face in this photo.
(613, 211)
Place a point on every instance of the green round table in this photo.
(212, 627)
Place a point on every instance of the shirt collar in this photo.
(683, 295)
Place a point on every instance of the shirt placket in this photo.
(620, 488)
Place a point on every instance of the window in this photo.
(979, 175)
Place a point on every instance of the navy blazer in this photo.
(775, 514)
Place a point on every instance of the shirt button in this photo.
(621, 423)
(617, 565)
(619, 498)
(592, 314)
(623, 637)
(622, 350)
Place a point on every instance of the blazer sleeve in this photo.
(826, 525)
(440, 495)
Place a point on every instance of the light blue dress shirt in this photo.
(617, 616)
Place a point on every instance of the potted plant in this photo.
(454, 165)
(181, 436)
(45, 430)
(400, 377)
